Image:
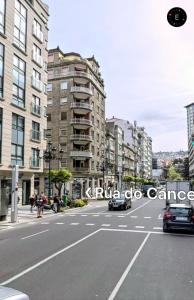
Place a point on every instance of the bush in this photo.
(79, 203)
(85, 201)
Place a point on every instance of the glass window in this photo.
(18, 81)
(63, 100)
(37, 30)
(35, 158)
(64, 85)
(35, 131)
(1, 68)
(50, 102)
(36, 105)
(48, 117)
(2, 16)
(63, 116)
(17, 143)
(49, 87)
(20, 25)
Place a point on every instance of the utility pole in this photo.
(14, 194)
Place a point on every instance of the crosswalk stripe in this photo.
(123, 226)
(95, 215)
(133, 217)
(139, 226)
(89, 224)
(121, 216)
(59, 223)
(105, 225)
(74, 223)
(157, 228)
(147, 217)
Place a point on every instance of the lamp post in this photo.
(49, 155)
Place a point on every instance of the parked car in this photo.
(120, 203)
(12, 294)
(145, 189)
(178, 216)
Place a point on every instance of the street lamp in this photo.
(49, 155)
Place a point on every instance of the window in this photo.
(35, 131)
(35, 158)
(19, 69)
(93, 151)
(36, 109)
(63, 147)
(36, 80)
(92, 135)
(17, 141)
(37, 30)
(50, 102)
(50, 74)
(48, 117)
(63, 132)
(98, 124)
(64, 85)
(93, 120)
(1, 68)
(63, 101)
(2, 16)
(63, 163)
(36, 55)
(49, 87)
(1, 125)
(92, 165)
(20, 25)
(48, 133)
(63, 116)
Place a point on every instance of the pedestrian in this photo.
(39, 204)
(44, 201)
(32, 202)
(55, 203)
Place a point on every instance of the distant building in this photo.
(190, 133)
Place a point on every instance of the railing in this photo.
(35, 135)
(81, 137)
(37, 58)
(38, 34)
(81, 154)
(35, 109)
(81, 105)
(37, 84)
(81, 169)
(81, 89)
(81, 121)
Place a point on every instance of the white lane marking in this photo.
(108, 216)
(72, 215)
(83, 215)
(74, 223)
(59, 223)
(44, 223)
(134, 217)
(48, 259)
(157, 228)
(138, 207)
(29, 236)
(139, 226)
(120, 216)
(147, 217)
(123, 226)
(95, 215)
(89, 224)
(128, 269)
(105, 225)
(160, 217)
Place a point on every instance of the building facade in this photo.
(76, 117)
(190, 134)
(23, 99)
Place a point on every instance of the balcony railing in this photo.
(87, 154)
(35, 135)
(37, 58)
(81, 89)
(35, 109)
(81, 169)
(38, 34)
(37, 84)
(81, 121)
(81, 105)
(81, 137)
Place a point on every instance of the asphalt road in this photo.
(96, 254)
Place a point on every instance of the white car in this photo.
(11, 294)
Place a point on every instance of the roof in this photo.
(191, 104)
(183, 205)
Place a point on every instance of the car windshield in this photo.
(180, 211)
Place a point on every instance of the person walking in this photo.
(44, 201)
(55, 203)
(32, 203)
(39, 204)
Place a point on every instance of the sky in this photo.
(147, 65)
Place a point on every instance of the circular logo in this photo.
(177, 17)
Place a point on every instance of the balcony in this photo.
(37, 84)
(81, 169)
(81, 92)
(81, 123)
(81, 154)
(81, 139)
(35, 109)
(81, 108)
(37, 58)
(35, 135)
(38, 34)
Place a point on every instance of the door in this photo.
(25, 192)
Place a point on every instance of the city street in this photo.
(96, 254)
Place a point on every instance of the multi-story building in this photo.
(145, 143)
(23, 79)
(76, 116)
(190, 133)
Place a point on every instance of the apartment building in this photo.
(190, 134)
(76, 117)
(23, 79)
(145, 147)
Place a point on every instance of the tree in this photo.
(60, 177)
(172, 174)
